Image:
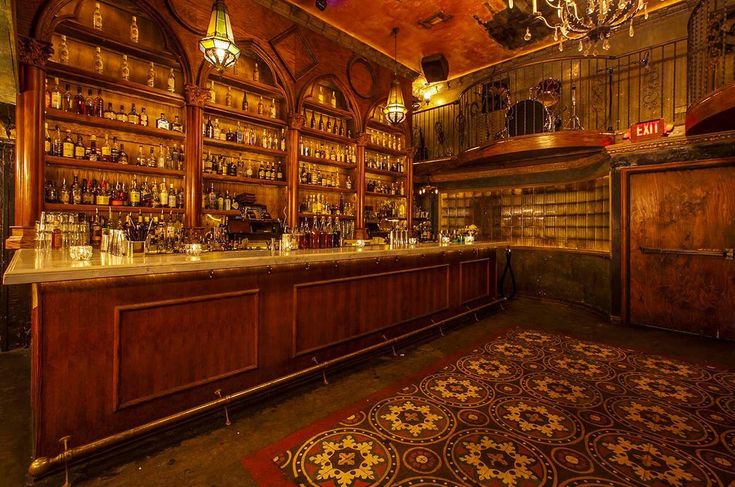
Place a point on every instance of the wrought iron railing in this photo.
(711, 50)
(602, 93)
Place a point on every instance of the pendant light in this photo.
(219, 46)
(395, 109)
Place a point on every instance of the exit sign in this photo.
(652, 129)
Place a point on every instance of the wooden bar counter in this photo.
(122, 346)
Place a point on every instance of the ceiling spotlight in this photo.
(321, 5)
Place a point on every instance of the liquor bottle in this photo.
(264, 139)
(88, 192)
(207, 163)
(261, 172)
(96, 230)
(167, 159)
(47, 142)
(110, 112)
(133, 116)
(122, 116)
(92, 153)
(122, 157)
(64, 194)
(151, 160)
(228, 97)
(63, 51)
(260, 106)
(51, 195)
(79, 102)
(333, 99)
(134, 34)
(79, 149)
(212, 93)
(97, 17)
(341, 128)
(162, 123)
(171, 84)
(311, 123)
(273, 110)
(245, 106)
(212, 198)
(46, 94)
(161, 158)
(99, 105)
(239, 135)
(279, 173)
(320, 96)
(216, 132)
(99, 65)
(176, 125)
(135, 197)
(163, 194)
(140, 158)
(103, 195)
(321, 123)
(106, 151)
(151, 80)
(125, 68)
(56, 96)
(209, 129)
(172, 197)
(282, 145)
(249, 173)
(68, 99)
(76, 191)
(143, 117)
(329, 124)
(256, 72)
(145, 194)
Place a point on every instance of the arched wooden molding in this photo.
(309, 93)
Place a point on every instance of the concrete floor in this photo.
(208, 453)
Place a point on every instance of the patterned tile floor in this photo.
(527, 408)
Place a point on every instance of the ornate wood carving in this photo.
(294, 51)
(296, 121)
(196, 95)
(34, 52)
(362, 77)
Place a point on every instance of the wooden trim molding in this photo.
(462, 265)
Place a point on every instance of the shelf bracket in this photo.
(218, 393)
(392, 346)
(324, 371)
(64, 440)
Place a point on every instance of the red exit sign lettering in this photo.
(651, 129)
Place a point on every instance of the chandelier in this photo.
(218, 46)
(395, 109)
(588, 21)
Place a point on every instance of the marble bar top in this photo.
(36, 266)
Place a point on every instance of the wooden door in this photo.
(679, 206)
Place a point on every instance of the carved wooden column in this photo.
(362, 141)
(196, 97)
(296, 122)
(409, 188)
(32, 57)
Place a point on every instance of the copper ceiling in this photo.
(463, 41)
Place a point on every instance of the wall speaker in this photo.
(435, 68)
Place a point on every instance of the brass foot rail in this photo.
(42, 465)
(727, 254)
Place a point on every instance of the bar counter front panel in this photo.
(111, 354)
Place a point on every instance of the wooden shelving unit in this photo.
(104, 123)
(111, 166)
(241, 180)
(115, 209)
(234, 146)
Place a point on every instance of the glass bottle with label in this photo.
(56, 96)
(133, 116)
(79, 149)
(162, 123)
(143, 117)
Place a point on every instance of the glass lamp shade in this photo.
(219, 46)
(395, 109)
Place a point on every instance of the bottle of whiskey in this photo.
(135, 197)
(110, 112)
(172, 197)
(122, 157)
(209, 129)
(122, 116)
(245, 106)
(143, 117)
(79, 102)
(56, 96)
(321, 123)
(171, 84)
(76, 191)
(260, 105)
(92, 153)
(256, 72)
(47, 143)
(68, 99)
(228, 97)
(133, 116)
(162, 123)
(176, 125)
(273, 109)
(64, 194)
(151, 80)
(140, 160)
(98, 105)
(79, 149)
(106, 151)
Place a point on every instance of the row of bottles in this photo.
(218, 200)
(269, 110)
(228, 166)
(321, 97)
(383, 139)
(318, 149)
(390, 209)
(383, 187)
(329, 179)
(167, 157)
(97, 22)
(318, 204)
(324, 233)
(124, 73)
(383, 162)
(151, 195)
(325, 123)
(94, 106)
(268, 139)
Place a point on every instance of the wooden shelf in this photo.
(222, 212)
(240, 180)
(381, 195)
(328, 109)
(325, 189)
(119, 209)
(79, 32)
(111, 166)
(223, 144)
(318, 134)
(312, 215)
(385, 150)
(62, 116)
(249, 117)
(328, 162)
(250, 86)
(385, 173)
(374, 124)
(111, 84)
